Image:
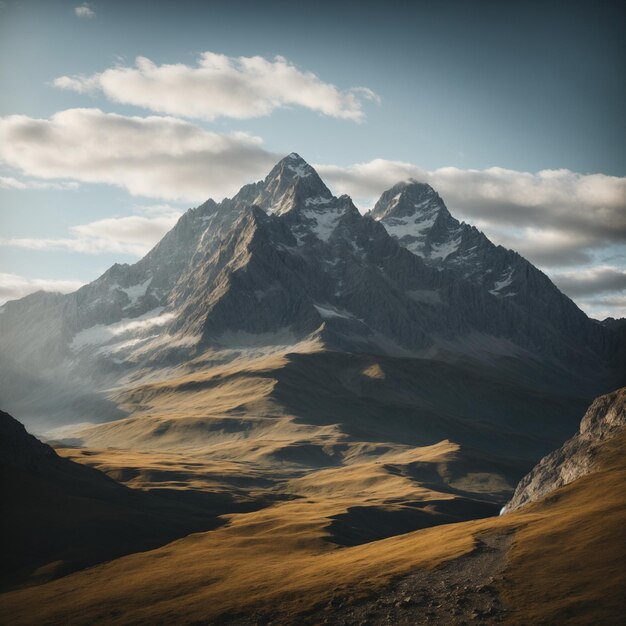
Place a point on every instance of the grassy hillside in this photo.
(565, 566)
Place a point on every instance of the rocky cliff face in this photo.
(415, 215)
(604, 419)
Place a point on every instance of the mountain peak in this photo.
(413, 183)
(294, 156)
(406, 198)
(292, 166)
(414, 214)
(292, 181)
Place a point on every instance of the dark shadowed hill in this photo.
(59, 516)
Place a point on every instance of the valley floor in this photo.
(558, 561)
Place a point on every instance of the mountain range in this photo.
(417, 323)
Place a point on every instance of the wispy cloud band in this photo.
(153, 156)
(9, 182)
(134, 235)
(222, 86)
(13, 286)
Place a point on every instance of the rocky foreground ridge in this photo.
(605, 418)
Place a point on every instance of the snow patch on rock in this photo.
(135, 292)
(325, 222)
(444, 250)
(503, 283)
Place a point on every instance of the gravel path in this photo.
(458, 592)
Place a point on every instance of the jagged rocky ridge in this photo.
(285, 260)
(605, 419)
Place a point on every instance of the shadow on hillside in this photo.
(363, 524)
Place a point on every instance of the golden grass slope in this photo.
(565, 567)
(567, 564)
(301, 408)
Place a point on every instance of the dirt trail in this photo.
(462, 591)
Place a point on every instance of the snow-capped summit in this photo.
(415, 215)
(296, 164)
(292, 182)
(408, 198)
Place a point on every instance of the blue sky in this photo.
(514, 113)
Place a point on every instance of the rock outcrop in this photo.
(604, 419)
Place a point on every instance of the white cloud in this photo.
(556, 217)
(158, 210)
(160, 157)
(222, 86)
(103, 333)
(134, 234)
(592, 281)
(13, 286)
(8, 182)
(84, 11)
(546, 247)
